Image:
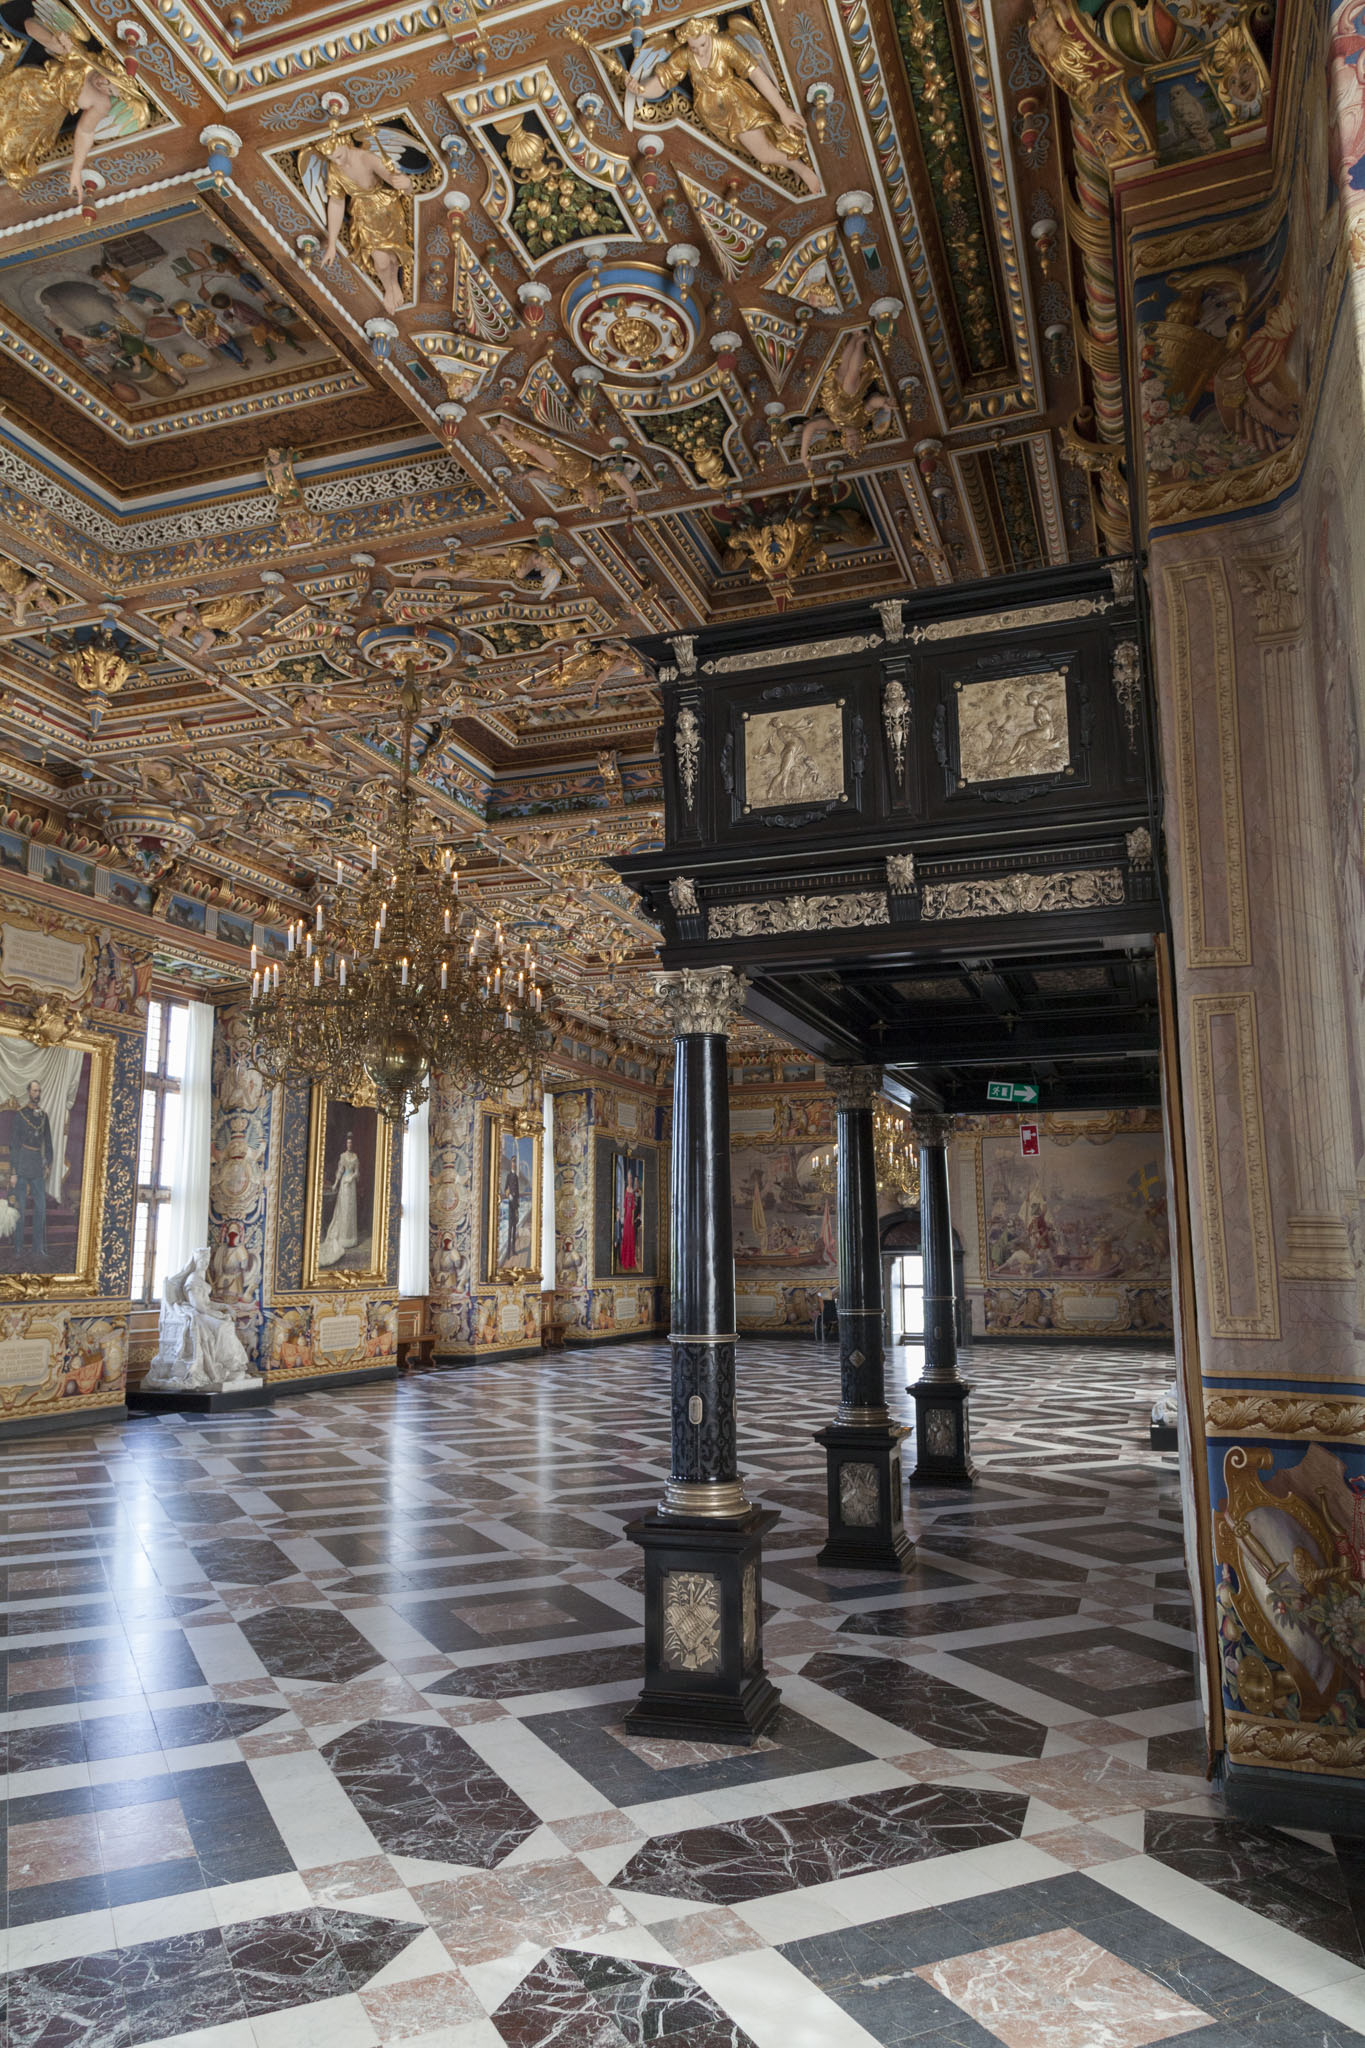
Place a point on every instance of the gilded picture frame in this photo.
(346, 1218)
(512, 1218)
(74, 1078)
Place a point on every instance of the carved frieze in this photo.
(858, 1504)
(900, 873)
(1057, 613)
(787, 657)
(1021, 894)
(797, 914)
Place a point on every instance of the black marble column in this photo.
(862, 1444)
(704, 1676)
(942, 1441)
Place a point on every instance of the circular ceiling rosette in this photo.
(632, 320)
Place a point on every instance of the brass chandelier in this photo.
(393, 982)
(896, 1159)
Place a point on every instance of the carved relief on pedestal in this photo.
(692, 1624)
(858, 1504)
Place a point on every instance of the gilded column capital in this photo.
(701, 999)
(930, 1128)
(854, 1087)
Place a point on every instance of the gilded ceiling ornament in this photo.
(78, 76)
(583, 478)
(25, 590)
(552, 205)
(296, 521)
(735, 96)
(201, 625)
(51, 1022)
(778, 552)
(851, 405)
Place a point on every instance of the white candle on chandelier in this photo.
(341, 970)
(374, 856)
(317, 970)
(319, 924)
(253, 959)
(255, 986)
(289, 939)
(276, 971)
(405, 971)
(376, 938)
(383, 917)
(308, 947)
(447, 924)
(338, 871)
(445, 973)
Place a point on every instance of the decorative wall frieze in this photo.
(1294, 1746)
(687, 752)
(1019, 895)
(797, 914)
(1314, 1416)
(786, 657)
(1057, 613)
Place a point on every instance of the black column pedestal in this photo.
(704, 1676)
(942, 1442)
(866, 1506)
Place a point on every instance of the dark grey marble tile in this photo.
(942, 1617)
(574, 1999)
(931, 1708)
(425, 1792)
(309, 1642)
(72, 2004)
(587, 1739)
(243, 1561)
(1101, 1671)
(523, 1675)
(787, 1851)
(1290, 1881)
(539, 1614)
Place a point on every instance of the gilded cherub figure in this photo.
(735, 95)
(360, 184)
(581, 476)
(851, 405)
(25, 591)
(77, 77)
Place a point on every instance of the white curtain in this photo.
(184, 1224)
(547, 1199)
(57, 1070)
(414, 1221)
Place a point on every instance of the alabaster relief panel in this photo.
(858, 1501)
(692, 1621)
(794, 756)
(1012, 726)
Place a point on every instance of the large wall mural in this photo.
(782, 1202)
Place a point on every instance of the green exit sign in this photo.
(1011, 1091)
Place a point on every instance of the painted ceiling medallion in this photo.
(631, 320)
(392, 647)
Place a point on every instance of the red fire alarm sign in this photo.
(1028, 1140)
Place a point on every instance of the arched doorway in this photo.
(903, 1279)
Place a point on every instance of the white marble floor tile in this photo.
(778, 2006)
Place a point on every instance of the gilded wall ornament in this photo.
(682, 894)
(1022, 895)
(1017, 620)
(900, 873)
(797, 914)
(701, 1000)
(1121, 579)
(692, 1621)
(786, 657)
(687, 752)
(794, 756)
(896, 715)
(891, 611)
(684, 647)
(1012, 726)
(1127, 678)
(1139, 845)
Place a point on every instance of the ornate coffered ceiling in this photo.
(487, 337)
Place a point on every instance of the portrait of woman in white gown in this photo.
(342, 1234)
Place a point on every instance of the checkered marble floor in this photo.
(314, 1736)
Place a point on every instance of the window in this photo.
(163, 1074)
(907, 1298)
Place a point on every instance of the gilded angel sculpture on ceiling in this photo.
(736, 97)
(57, 72)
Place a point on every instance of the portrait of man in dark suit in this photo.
(30, 1164)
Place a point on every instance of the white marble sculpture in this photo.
(198, 1349)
